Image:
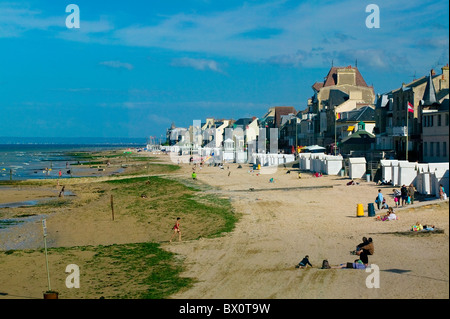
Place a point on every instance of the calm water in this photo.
(40, 161)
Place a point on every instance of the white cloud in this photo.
(117, 65)
(198, 64)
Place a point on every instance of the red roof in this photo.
(283, 110)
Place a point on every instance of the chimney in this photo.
(443, 82)
(433, 73)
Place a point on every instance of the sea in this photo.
(45, 158)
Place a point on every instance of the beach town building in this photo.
(274, 119)
(248, 128)
(435, 124)
(306, 129)
(289, 133)
(347, 122)
(343, 89)
(213, 132)
(435, 133)
(359, 143)
(177, 135)
(399, 130)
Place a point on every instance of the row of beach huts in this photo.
(426, 177)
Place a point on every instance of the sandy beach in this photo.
(280, 223)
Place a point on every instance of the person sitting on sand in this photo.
(384, 205)
(357, 264)
(390, 215)
(364, 242)
(365, 251)
(304, 263)
(352, 182)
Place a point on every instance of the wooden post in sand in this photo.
(112, 207)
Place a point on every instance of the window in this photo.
(431, 149)
(446, 119)
(444, 149)
(425, 149)
(439, 120)
(438, 149)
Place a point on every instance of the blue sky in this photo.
(134, 67)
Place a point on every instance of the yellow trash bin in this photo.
(359, 210)
(259, 166)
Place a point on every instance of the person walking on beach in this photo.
(379, 199)
(442, 192)
(411, 191)
(397, 197)
(404, 192)
(176, 230)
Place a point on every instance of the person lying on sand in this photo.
(357, 264)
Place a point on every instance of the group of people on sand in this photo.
(403, 196)
(363, 250)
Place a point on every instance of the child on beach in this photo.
(304, 263)
(390, 215)
(397, 197)
(176, 230)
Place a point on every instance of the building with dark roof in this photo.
(399, 130)
(342, 90)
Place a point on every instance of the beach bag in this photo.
(409, 200)
(325, 264)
